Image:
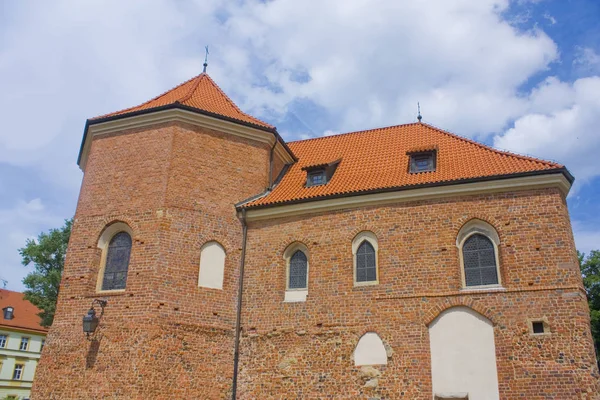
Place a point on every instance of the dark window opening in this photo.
(422, 162)
(479, 258)
(8, 312)
(538, 327)
(298, 271)
(117, 262)
(366, 265)
(320, 174)
(316, 178)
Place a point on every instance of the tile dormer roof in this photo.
(25, 315)
(199, 93)
(378, 160)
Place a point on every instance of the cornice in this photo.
(557, 180)
(98, 129)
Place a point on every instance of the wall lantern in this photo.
(90, 321)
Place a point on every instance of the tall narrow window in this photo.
(24, 344)
(366, 267)
(117, 262)
(2, 341)
(479, 259)
(298, 271)
(18, 372)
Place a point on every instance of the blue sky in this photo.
(522, 75)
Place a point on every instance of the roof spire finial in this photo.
(419, 116)
(205, 60)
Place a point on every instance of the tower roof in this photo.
(199, 93)
(377, 160)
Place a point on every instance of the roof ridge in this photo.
(232, 103)
(353, 132)
(492, 149)
(192, 89)
(443, 131)
(125, 110)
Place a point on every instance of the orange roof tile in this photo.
(200, 93)
(25, 314)
(377, 159)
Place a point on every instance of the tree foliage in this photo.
(590, 270)
(47, 254)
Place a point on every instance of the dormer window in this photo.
(422, 162)
(317, 177)
(320, 174)
(8, 312)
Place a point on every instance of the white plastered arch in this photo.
(370, 350)
(212, 265)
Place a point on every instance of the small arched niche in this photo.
(370, 350)
(212, 266)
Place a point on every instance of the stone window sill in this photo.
(295, 296)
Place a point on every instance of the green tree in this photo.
(47, 254)
(590, 270)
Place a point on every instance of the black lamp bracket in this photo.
(101, 303)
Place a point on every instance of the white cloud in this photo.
(362, 63)
(561, 124)
(587, 59)
(370, 63)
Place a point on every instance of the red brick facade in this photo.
(164, 337)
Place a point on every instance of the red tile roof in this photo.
(200, 93)
(378, 159)
(25, 313)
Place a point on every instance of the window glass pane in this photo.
(421, 162)
(366, 267)
(479, 261)
(316, 178)
(298, 271)
(117, 262)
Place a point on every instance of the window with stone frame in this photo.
(298, 271)
(366, 263)
(117, 262)
(479, 258)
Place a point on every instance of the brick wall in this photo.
(304, 349)
(164, 337)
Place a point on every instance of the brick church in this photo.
(403, 262)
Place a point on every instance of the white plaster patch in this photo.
(370, 350)
(463, 355)
(212, 266)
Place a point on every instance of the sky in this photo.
(520, 75)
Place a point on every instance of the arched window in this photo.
(212, 266)
(480, 261)
(478, 245)
(298, 271)
(117, 262)
(296, 257)
(115, 243)
(364, 248)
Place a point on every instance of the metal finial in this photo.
(419, 116)
(205, 59)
